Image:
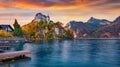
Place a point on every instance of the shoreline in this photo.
(99, 38)
(12, 40)
(24, 40)
(17, 40)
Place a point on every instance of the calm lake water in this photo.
(71, 53)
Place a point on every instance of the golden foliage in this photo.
(5, 34)
(37, 34)
(31, 27)
(45, 30)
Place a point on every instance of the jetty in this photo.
(13, 56)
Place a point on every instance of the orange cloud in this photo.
(29, 5)
(115, 11)
(20, 5)
(60, 10)
(55, 5)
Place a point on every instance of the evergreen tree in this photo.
(17, 29)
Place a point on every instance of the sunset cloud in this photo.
(57, 4)
(64, 10)
(60, 4)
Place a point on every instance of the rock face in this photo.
(117, 19)
(79, 28)
(41, 17)
(95, 28)
(95, 21)
(109, 31)
(112, 29)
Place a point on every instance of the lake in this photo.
(71, 53)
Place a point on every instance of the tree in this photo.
(58, 25)
(32, 34)
(49, 34)
(69, 34)
(17, 29)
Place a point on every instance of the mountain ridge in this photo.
(94, 26)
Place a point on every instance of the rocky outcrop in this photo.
(95, 21)
(117, 19)
(41, 17)
(80, 29)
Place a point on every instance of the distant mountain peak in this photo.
(95, 21)
(117, 19)
(92, 18)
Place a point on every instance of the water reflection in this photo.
(72, 53)
(15, 64)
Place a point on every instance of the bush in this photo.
(5, 34)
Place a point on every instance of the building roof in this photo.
(6, 28)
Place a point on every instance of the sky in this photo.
(58, 10)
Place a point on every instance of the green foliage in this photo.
(49, 34)
(32, 33)
(17, 29)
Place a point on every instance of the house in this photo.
(7, 28)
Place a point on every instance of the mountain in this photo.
(95, 21)
(117, 19)
(80, 28)
(109, 31)
(74, 25)
(95, 28)
(92, 28)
